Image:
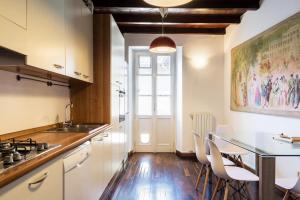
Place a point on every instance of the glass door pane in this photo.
(145, 105)
(144, 86)
(163, 64)
(163, 85)
(163, 105)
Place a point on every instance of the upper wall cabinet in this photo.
(73, 56)
(55, 35)
(117, 52)
(46, 35)
(87, 62)
(13, 25)
(79, 40)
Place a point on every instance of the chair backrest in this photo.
(217, 164)
(200, 149)
(297, 187)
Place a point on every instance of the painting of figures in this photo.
(265, 71)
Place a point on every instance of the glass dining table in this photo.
(266, 147)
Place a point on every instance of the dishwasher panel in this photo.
(78, 178)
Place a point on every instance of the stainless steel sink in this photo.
(78, 128)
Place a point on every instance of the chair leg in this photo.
(205, 183)
(226, 190)
(287, 195)
(241, 161)
(216, 189)
(248, 191)
(241, 189)
(199, 178)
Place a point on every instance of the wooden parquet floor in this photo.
(164, 176)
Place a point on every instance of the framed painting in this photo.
(265, 71)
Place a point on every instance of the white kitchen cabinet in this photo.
(98, 162)
(117, 84)
(13, 25)
(87, 46)
(46, 35)
(107, 156)
(116, 164)
(50, 186)
(79, 40)
(117, 53)
(120, 132)
(73, 38)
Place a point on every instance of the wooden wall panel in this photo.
(92, 101)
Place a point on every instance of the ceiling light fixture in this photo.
(163, 44)
(167, 3)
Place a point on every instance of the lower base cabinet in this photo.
(101, 162)
(45, 182)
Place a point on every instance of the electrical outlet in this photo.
(298, 174)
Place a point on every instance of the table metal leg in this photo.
(257, 164)
(266, 177)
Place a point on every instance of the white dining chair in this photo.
(226, 148)
(291, 185)
(228, 174)
(204, 159)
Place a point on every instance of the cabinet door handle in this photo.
(106, 135)
(39, 180)
(79, 164)
(77, 73)
(99, 140)
(58, 66)
(85, 76)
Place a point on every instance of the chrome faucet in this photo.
(68, 122)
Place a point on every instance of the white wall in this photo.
(202, 77)
(247, 124)
(28, 104)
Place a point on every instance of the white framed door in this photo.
(154, 102)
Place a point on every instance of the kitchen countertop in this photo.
(68, 141)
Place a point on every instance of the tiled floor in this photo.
(162, 176)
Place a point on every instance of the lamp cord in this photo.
(162, 26)
(164, 14)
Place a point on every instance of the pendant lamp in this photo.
(163, 44)
(167, 3)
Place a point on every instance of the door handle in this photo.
(79, 164)
(77, 73)
(99, 140)
(58, 66)
(39, 180)
(105, 135)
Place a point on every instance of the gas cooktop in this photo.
(14, 152)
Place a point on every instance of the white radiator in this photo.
(202, 123)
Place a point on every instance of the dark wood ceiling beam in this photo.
(179, 18)
(210, 4)
(172, 30)
(178, 11)
(174, 25)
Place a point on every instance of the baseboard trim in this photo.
(129, 155)
(191, 156)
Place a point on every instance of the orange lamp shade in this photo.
(167, 3)
(163, 44)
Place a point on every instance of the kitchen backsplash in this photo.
(27, 104)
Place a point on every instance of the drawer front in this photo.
(45, 182)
